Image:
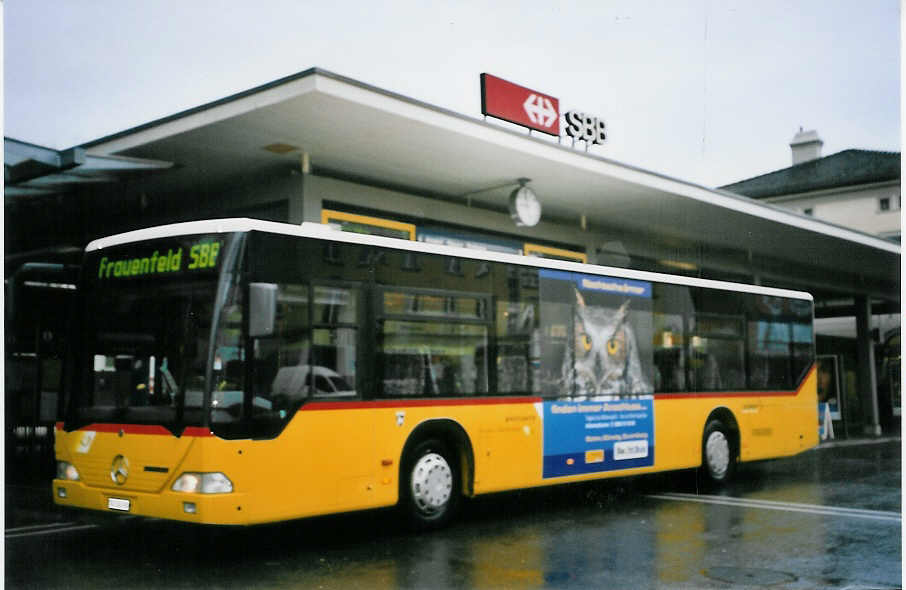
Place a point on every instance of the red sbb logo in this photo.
(520, 105)
(540, 110)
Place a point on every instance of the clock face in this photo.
(524, 207)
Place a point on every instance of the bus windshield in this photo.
(149, 313)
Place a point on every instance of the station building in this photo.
(317, 146)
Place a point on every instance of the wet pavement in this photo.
(829, 518)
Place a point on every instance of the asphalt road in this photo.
(829, 518)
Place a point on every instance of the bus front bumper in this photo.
(225, 508)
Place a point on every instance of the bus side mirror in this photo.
(262, 309)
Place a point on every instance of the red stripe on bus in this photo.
(199, 431)
(144, 429)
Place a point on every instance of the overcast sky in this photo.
(705, 91)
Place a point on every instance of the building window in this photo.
(809, 211)
(891, 203)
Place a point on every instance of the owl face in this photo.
(603, 343)
(602, 347)
(590, 336)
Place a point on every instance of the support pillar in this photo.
(868, 379)
(303, 204)
(756, 276)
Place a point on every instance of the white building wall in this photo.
(858, 208)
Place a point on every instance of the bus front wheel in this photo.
(718, 452)
(431, 488)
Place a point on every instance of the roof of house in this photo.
(846, 168)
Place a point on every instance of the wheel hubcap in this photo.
(432, 483)
(717, 454)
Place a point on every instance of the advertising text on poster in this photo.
(595, 436)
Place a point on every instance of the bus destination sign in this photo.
(198, 256)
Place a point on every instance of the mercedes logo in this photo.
(119, 470)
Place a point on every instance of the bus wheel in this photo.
(430, 491)
(718, 452)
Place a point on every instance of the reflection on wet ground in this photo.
(608, 534)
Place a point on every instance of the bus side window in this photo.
(803, 339)
(716, 342)
(334, 340)
(780, 341)
(670, 362)
(439, 356)
(432, 326)
(276, 385)
(517, 345)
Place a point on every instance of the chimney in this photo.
(806, 146)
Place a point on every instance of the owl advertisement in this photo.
(597, 365)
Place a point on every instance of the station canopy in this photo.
(352, 129)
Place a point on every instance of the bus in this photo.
(239, 371)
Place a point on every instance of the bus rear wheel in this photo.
(718, 452)
(431, 491)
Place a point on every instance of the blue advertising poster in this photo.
(593, 436)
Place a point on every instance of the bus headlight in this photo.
(66, 470)
(203, 483)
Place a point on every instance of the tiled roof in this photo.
(846, 168)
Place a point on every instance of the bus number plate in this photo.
(118, 504)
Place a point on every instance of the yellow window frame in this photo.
(539, 250)
(328, 215)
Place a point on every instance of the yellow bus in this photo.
(239, 371)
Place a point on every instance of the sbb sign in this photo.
(536, 110)
(584, 127)
(520, 105)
